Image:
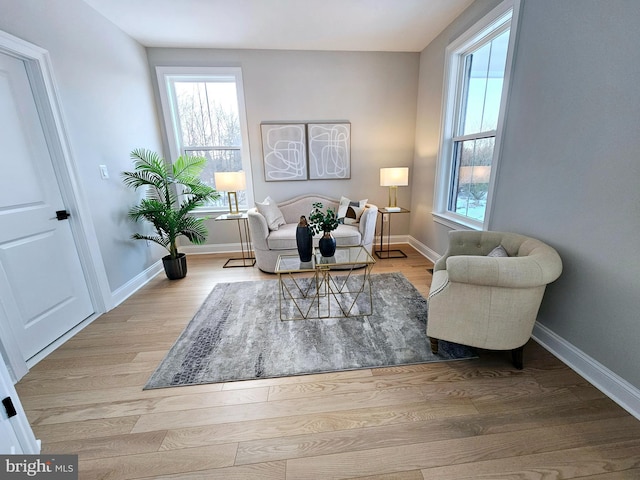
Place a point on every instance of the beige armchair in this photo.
(489, 302)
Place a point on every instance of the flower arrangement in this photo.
(320, 221)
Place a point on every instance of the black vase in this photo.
(327, 245)
(304, 240)
(175, 268)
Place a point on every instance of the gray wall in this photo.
(569, 170)
(571, 167)
(376, 92)
(107, 102)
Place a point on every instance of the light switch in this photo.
(104, 173)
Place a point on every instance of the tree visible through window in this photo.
(206, 121)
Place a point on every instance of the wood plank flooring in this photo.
(469, 419)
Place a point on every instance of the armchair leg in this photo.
(434, 344)
(517, 357)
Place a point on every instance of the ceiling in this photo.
(351, 25)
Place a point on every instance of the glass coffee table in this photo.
(334, 287)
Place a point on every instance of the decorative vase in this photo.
(175, 268)
(327, 245)
(304, 240)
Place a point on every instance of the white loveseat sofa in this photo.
(268, 243)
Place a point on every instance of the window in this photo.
(476, 79)
(204, 116)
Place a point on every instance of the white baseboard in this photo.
(132, 286)
(211, 248)
(393, 240)
(612, 385)
(424, 250)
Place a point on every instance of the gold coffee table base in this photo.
(331, 287)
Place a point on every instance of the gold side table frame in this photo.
(330, 288)
(248, 259)
(387, 252)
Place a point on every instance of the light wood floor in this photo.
(467, 419)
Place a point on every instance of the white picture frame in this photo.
(284, 149)
(329, 151)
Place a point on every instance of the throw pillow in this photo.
(499, 251)
(349, 212)
(271, 213)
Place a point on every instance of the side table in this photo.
(247, 259)
(386, 252)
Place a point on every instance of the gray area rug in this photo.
(237, 334)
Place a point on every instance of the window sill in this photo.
(216, 211)
(457, 223)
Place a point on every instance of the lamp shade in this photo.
(230, 181)
(394, 177)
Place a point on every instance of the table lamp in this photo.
(231, 182)
(394, 177)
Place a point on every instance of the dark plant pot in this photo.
(327, 245)
(304, 240)
(175, 268)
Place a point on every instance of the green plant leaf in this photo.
(194, 229)
(320, 221)
(169, 217)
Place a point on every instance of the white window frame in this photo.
(166, 74)
(454, 60)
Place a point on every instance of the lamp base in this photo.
(232, 203)
(392, 209)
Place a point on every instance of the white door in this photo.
(42, 286)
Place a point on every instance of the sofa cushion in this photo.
(349, 211)
(347, 235)
(271, 213)
(285, 237)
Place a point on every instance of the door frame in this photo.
(40, 73)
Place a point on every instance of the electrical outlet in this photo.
(104, 172)
(148, 243)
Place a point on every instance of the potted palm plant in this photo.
(173, 192)
(325, 222)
